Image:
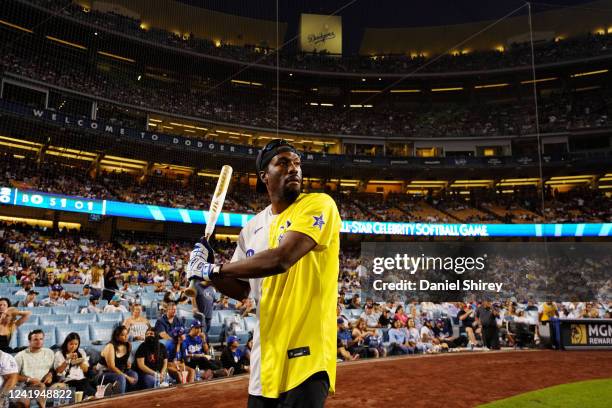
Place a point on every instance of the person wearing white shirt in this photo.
(71, 363)
(115, 306)
(8, 376)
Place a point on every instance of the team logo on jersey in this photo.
(283, 228)
(250, 252)
(318, 221)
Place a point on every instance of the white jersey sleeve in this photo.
(240, 252)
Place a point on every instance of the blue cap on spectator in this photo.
(177, 331)
(116, 298)
(195, 324)
(231, 339)
(94, 297)
(340, 320)
(87, 286)
(57, 288)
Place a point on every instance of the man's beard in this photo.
(290, 194)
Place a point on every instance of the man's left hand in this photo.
(201, 264)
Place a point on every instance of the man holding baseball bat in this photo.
(287, 258)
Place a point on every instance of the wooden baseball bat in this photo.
(216, 204)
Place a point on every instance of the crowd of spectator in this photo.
(560, 111)
(194, 192)
(516, 55)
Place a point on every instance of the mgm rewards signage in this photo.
(321, 32)
(585, 333)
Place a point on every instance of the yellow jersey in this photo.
(297, 326)
(548, 311)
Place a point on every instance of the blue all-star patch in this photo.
(318, 221)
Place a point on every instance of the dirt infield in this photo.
(452, 380)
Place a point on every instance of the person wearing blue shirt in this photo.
(196, 352)
(205, 298)
(168, 321)
(398, 339)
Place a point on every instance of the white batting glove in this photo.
(201, 262)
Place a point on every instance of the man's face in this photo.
(54, 294)
(284, 175)
(37, 341)
(3, 306)
(195, 331)
(171, 311)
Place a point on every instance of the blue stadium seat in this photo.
(73, 287)
(101, 331)
(43, 291)
(83, 318)
(110, 317)
(39, 310)
(83, 302)
(215, 333)
(53, 319)
(225, 313)
(65, 310)
(249, 323)
(243, 337)
(62, 330)
(33, 319)
(152, 322)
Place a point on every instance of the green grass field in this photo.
(584, 394)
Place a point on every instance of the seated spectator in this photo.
(115, 305)
(10, 320)
(35, 364)
(444, 333)
(246, 308)
(137, 324)
(414, 337)
(26, 287)
(151, 360)
(54, 298)
(232, 357)
(93, 305)
(398, 339)
(176, 362)
(347, 347)
(9, 277)
(385, 320)
(71, 364)
(400, 315)
(428, 337)
(370, 317)
(30, 300)
(355, 302)
(175, 294)
(368, 339)
(224, 304)
(168, 321)
(196, 353)
(8, 376)
(114, 362)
